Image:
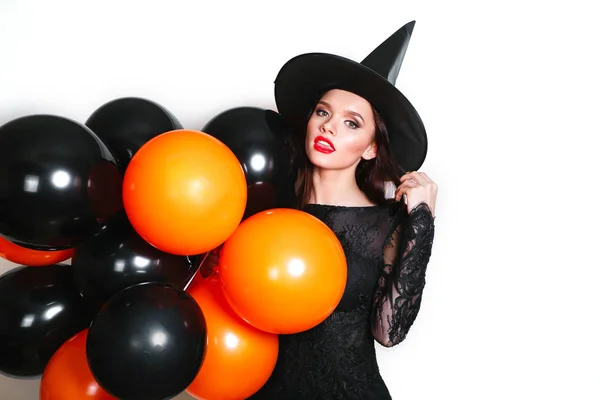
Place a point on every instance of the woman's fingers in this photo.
(402, 190)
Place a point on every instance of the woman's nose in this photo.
(327, 127)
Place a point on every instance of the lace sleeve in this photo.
(397, 297)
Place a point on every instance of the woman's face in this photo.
(340, 131)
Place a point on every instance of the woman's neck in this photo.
(337, 187)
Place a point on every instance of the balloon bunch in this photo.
(137, 202)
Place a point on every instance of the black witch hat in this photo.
(304, 78)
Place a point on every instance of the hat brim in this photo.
(304, 78)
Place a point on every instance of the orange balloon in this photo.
(238, 359)
(67, 375)
(32, 258)
(184, 192)
(283, 271)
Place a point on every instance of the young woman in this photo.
(360, 135)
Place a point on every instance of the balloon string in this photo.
(197, 270)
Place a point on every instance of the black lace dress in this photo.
(337, 359)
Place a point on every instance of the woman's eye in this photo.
(352, 124)
(322, 113)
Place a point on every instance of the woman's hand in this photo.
(211, 261)
(416, 187)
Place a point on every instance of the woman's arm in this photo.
(398, 295)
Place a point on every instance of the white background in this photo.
(509, 93)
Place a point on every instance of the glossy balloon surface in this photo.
(40, 309)
(68, 376)
(147, 342)
(30, 257)
(261, 142)
(58, 182)
(235, 350)
(184, 192)
(118, 257)
(283, 271)
(126, 124)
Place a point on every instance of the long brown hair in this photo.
(371, 175)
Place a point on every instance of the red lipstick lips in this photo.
(323, 145)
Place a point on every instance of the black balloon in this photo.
(58, 182)
(40, 309)
(147, 342)
(262, 144)
(126, 124)
(118, 257)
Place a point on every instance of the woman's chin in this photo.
(321, 160)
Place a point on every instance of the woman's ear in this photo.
(371, 152)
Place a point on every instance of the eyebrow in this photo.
(326, 104)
